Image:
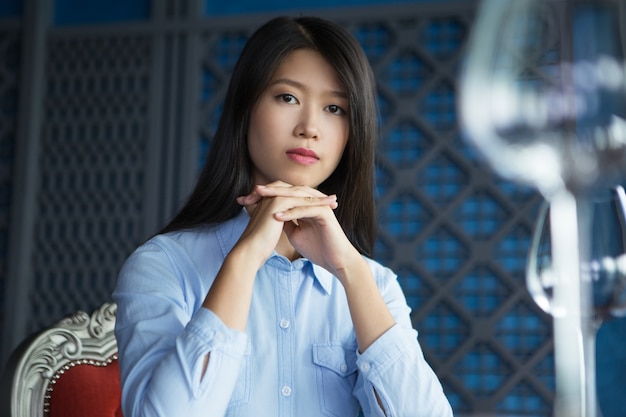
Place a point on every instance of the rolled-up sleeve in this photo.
(163, 339)
(393, 369)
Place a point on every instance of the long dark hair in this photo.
(227, 173)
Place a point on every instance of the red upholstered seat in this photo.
(85, 390)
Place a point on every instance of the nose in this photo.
(307, 125)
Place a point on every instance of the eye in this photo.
(335, 109)
(287, 98)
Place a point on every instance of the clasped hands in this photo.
(305, 215)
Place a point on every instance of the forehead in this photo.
(310, 69)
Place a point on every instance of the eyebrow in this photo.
(301, 86)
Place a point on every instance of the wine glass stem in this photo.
(589, 346)
(573, 335)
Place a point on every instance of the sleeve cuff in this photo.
(390, 347)
(213, 334)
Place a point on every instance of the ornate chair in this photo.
(68, 370)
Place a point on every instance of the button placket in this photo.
(285, 312)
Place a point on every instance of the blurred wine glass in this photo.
(543, 98)
(543, 93)
(605, 268)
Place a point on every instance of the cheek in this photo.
(338, 148)
(255, 140)
(343, 143)
(338, 129)
(258, 132)
(265, 125)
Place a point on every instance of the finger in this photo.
(296, 191)
(256, 194)
(277, 184)
(309, 210)
(252, 198)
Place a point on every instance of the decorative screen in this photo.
(92, 163)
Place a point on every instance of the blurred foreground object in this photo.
(543, 97)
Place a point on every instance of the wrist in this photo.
(354, 270)
(245, 253)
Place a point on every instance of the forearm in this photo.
(231, 293)
(370, 315)
(396, 380)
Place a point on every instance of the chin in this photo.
(301, 181)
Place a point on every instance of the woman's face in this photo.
(300, 125)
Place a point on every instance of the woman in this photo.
(275, 308)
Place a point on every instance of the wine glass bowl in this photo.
(543, 92)
(605, 268)
(608, 277)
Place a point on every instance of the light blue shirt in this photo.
(297, 358)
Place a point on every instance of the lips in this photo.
(302, 156)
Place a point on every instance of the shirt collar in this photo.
(230, 231)
(324, 278)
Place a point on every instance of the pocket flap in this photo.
(337, 358)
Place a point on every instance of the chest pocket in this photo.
(336, 374)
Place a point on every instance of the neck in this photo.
(285, 248)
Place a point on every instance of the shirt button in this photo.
(365, 367)
(286, 391)
(284, 324)
(344, 368)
